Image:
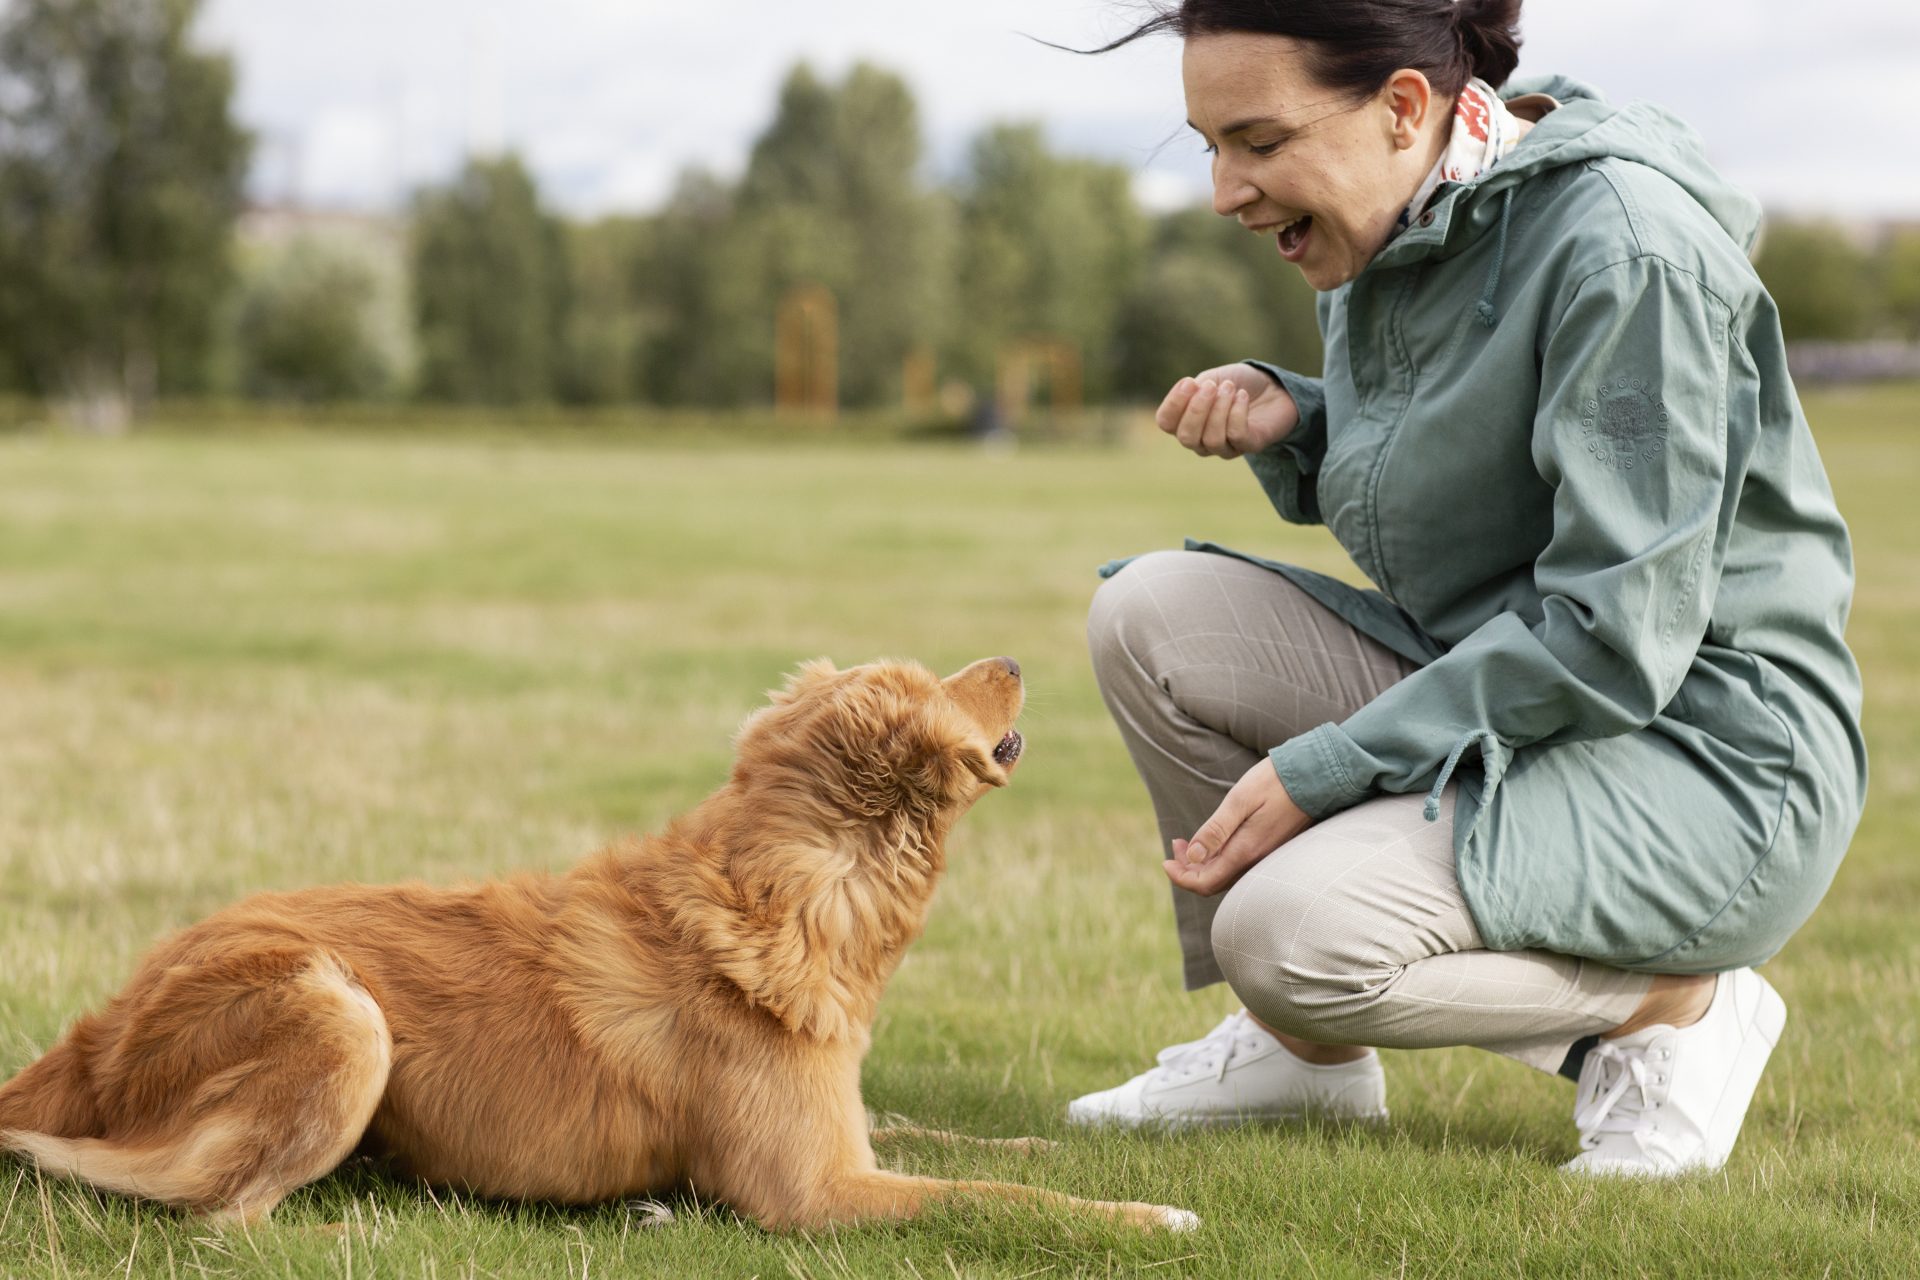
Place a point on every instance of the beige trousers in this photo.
(1355, 931)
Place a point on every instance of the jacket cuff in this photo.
(1321, 770)
(1286, 468)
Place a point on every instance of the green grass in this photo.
(236, 661)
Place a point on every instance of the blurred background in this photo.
(428, 427)
(843, 208)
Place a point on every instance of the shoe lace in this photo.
(1619, 1090)
(1212, 1053)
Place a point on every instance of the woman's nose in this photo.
(1231, 193)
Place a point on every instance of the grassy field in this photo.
(233, 662)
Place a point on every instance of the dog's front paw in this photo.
(1161, 1217)
(649, 1214)
(1026, 1146)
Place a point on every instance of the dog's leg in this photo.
(864, 1197)
(817, 1168)
(291, 1057)
(897, 1129)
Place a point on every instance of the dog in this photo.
(684, 1011)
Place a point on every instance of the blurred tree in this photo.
(120, 177)
(1900, 283)
(833, 191)
(601, 355)
(1819, 279)
(1049, 246)
(706, 309)
(308, 328)
(1210, 294)
(490, 287)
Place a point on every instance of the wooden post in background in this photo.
(1026, 359)
(806, 352)
(916, 381)
(1013, 382)
(1063, 375)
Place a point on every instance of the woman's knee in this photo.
(1129, 619)
(1291, 958)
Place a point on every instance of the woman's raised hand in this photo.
(1228, 411)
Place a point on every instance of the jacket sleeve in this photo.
(1289, 468)
(1631, 433)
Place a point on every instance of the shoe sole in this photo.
(1224, 1120)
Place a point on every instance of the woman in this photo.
(1556, 431)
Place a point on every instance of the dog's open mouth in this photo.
(1009, 749)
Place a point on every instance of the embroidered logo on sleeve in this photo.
(1624, 424)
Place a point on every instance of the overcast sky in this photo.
(1807, 104)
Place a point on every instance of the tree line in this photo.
(121, 179)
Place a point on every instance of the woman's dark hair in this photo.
(1357, 44)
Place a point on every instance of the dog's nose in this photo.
(1013, 668)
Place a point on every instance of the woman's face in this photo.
(1325, 175)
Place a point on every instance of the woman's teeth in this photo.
(1294, 234)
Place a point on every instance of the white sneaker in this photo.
(1239, 1072)
(1668, 1101)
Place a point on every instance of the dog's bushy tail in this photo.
(50, 1096)
(182, 1171)
(47, 1113)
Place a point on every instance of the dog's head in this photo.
(887, 738)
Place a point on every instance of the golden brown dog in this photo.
(687, 1010)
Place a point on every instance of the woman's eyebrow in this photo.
(1241, 126)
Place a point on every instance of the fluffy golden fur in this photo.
(687, 1010)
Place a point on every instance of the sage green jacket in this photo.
(1557, 432)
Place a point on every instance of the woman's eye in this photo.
(1264, 148)
(1210, 149)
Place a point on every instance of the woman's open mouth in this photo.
(1009, 749)
(1293, 238)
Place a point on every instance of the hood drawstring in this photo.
(1484, 308)
(1489, 760)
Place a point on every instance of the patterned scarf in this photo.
(1484, 131)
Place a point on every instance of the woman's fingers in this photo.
(1235, 808)
(1167, 416)
(1208, 414)
(1193, 423)
(1238, 426)
(1230, 416)
(1217, 870)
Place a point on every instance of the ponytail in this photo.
(1489, 37)
(1356, 45)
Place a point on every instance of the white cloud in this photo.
(611, 98)
(350, 156)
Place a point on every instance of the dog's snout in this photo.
(1013, 668)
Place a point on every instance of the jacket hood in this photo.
(1587, 127)
(1584, 127)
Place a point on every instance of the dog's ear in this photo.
(981, 765)
(954, 764)
(811, 675)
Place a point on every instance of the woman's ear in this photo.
(1411, 107)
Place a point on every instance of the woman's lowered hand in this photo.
(1227, 411)
(1257, 817)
